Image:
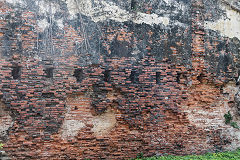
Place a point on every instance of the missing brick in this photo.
(16, 72)
(49, 72)
(158, 77)
(38, 115)
(200, 77)
(48, 95)
(78, 73)
(181, 78)
(134, 76)
(107, 75)
(178, 77)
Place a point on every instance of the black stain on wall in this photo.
(120, 49)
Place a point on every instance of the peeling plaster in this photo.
(167, 1)
(102, 10)
(14, 2)
(229, 27)
(60, 23)
(48, 7)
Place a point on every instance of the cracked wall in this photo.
(98, 79)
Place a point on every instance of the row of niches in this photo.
(134, 76)
(80, 75)
(17, 71)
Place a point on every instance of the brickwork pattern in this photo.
(64, 107)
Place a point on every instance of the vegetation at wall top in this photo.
(234, 155)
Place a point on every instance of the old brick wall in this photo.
(109, 79)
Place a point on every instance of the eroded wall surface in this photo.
(109, 79)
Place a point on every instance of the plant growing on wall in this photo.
(228, 117)
(228, 120)
(133, 5)
(234, 125)
(1, 145)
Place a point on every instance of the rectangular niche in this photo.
(78, 73)
(49, 72)
(134, 76)
(158, 77)
(16, 72)
(107, 75)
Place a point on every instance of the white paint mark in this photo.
(229, 27)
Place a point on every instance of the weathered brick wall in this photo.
(111, 79)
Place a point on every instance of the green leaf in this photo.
(228, 117)
(234, 125)
(1, 145)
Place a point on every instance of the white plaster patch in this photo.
(150, 19)
(104, 123)
(79, 115)
(206, 118)
(14, 2)
(48, 7)
(70, 128)
(214, 115)
(213, 118)
(60, 23)
(229, 27)
(235, 135)
(102, 10)
(43, 24)
(5, 121)
(167, 1)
